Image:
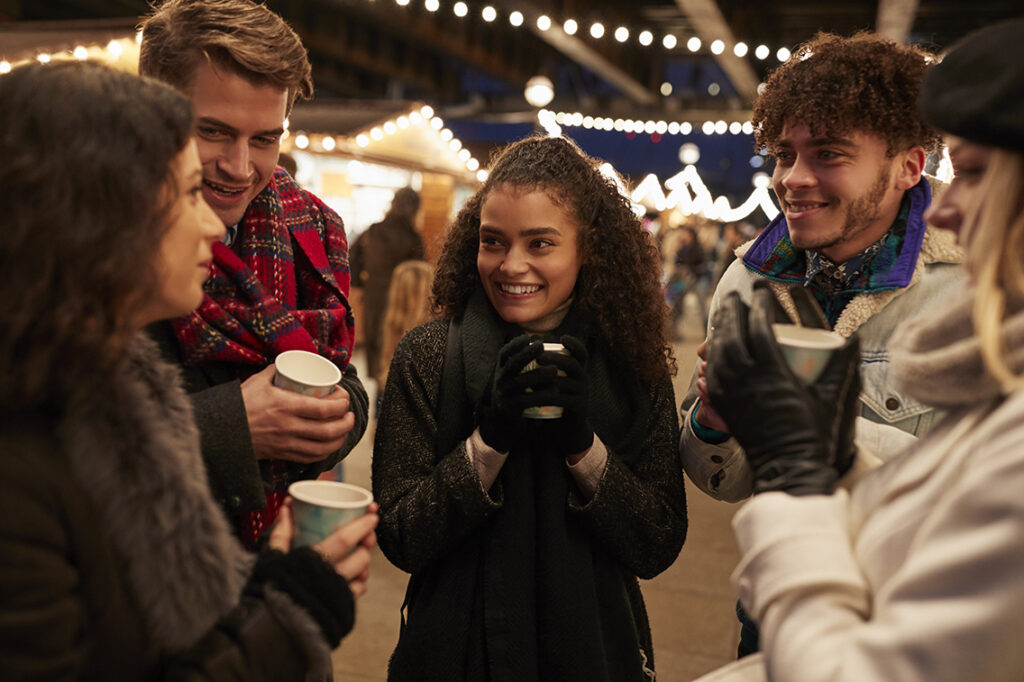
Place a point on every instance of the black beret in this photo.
(977, 91)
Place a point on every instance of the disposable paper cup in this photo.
(806, 349)
(545, 411)
(306, 373)
(318, 507)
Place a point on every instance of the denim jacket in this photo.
(925, 272)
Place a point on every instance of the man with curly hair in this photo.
(280, 280)
(840, 118)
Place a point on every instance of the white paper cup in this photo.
(545, 411)
(306, 373)
(318, 507)
(806, 349)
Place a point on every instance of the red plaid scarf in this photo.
(270, 298)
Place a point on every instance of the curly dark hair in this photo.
(87, 155)
(618, 286)
(835, 84)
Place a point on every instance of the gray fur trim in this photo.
(937, 358)
(134, 446)
(305, 631)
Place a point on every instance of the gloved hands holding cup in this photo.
(797, 436)
(500, 414)
(571, 434)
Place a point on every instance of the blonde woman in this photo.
(914, 572)
(408, 307)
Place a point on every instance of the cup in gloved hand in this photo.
(797, 436)
(806, 349)
(545, 411)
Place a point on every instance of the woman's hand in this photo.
(572, 434)
(347, 549)
(500, 415)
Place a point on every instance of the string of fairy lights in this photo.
(686, 191)
(599, 31)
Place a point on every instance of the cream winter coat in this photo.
(916, 573)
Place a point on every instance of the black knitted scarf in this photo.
(530, 595)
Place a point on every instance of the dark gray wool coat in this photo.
(116, 562)
(569, 582)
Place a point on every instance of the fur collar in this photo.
(133, 444)
(937, 359)
(937, 246)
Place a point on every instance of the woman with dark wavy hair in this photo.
(525, 536)
(117, 562)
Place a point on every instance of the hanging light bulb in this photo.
(539, 91)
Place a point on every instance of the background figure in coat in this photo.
(525, 537)
(280, 279)
(375, 255)
(914, 572)
(117, 562)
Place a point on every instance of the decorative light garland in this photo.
(661, 127)
(700, 201)
(422, 117)
(598, 31)
(115, 51)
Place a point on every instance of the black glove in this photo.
(313, 584)
(500, 413)
(795, 435)
(572, 433)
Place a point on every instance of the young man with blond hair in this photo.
(280, 280)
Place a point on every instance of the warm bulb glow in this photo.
(669, 41)
(516, 18)
(597, 30)
(539, 91)
(622, 34)
(570, 26)
(646, 38)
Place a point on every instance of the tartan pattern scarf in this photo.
(268, 298)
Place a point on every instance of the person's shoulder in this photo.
(430, 333)
(422, 350)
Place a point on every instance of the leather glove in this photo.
(572, 433)
(793, 433)
(500, 414)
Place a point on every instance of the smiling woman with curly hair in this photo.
(525, 453)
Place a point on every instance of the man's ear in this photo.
(908, 167)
